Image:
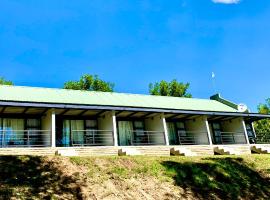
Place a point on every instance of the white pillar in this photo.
(114, 129)
(245, 131)
(53, 128)
(165, 129)
(253, 129)
(208, 132)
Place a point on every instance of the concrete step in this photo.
(90, 151)
(27, 151)
(261, 149)
(232, 149)
(145, 150)
(192, 150)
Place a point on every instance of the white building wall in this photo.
(156, 124)
(46, 125)
(105, 123)
(235, 126)
(197, 128)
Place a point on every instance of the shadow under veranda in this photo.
(33, 176)
(225, 178)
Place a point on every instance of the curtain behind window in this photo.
(124, 132)
(77, 127)
(65, 133)
(13, 131)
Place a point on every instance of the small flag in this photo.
(213, 75)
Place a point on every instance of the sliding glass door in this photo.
(12, 133)
(177, 133)
(34, 136)
(216, 129)
(79, 133)
(172, 133)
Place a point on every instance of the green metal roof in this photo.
(64, 96)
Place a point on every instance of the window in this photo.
(34, 135)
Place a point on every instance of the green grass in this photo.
(229, 177)
(216, 177)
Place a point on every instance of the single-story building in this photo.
(45, 121)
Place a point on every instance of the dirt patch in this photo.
(148, 188)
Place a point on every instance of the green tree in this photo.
(3, 81)
(262, 127)
(90, 83)
(173, 88)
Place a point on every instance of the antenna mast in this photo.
(214, 82)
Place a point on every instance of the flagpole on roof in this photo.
(214, 82)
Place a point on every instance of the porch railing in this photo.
(25, 138)
(260, 139)
(92, 138)
(193, 138)
(147, 138)
(230, 138)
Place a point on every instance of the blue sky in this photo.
(134, 42)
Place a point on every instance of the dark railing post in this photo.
(113, 139)
(132, 138)
(3, 138)
(28, 144)
(93, 133)
(233, 138)
(164, 137)
(148, 138)
(71, 138)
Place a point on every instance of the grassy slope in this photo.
(218, 177)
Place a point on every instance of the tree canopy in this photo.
(90, 83)
(173, 88)
(262, 127)
(3, 81)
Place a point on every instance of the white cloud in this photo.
(226, 1)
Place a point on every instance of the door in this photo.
(92, 136)
(182, 133)
(36, 137)
(140, 137)
(250, 133)
(172, 133)
(216, 127)
(13, 132)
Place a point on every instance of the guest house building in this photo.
(71, 122)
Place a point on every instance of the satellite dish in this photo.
(242, 107)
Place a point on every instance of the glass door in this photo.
(34, 136)
(91, 134)
(140, 136)
(216, 127)
(250, 133)
(172, 133)
(13, 132)
(182, 133)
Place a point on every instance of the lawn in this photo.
(216, 177)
